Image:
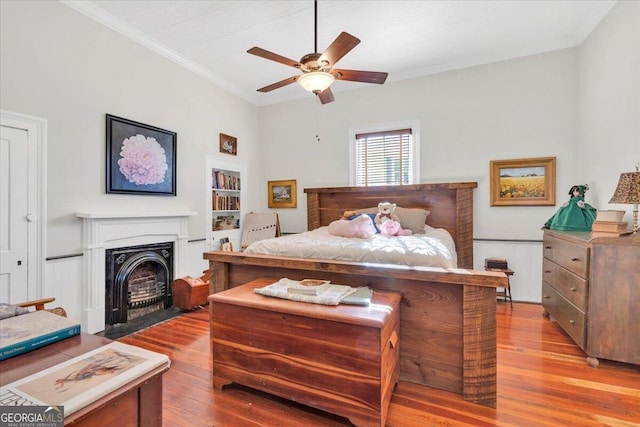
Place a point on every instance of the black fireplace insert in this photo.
(138, 281)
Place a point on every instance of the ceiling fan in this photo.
(317, 68)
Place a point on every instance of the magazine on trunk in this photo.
(308, 287)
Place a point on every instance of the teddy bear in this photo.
(361, 226)
(385, 212)
(393, 228)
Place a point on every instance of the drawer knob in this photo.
(547, 271)
(546, 297)
(547, 247)
(575, 259)
(572, 321)
(573, 289)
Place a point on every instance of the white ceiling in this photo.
(404, 38)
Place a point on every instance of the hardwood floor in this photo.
(543, 380)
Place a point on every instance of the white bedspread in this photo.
(435, 248)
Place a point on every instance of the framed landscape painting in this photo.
(523, 182)
(282, 194)
(141, 159)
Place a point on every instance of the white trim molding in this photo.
(36, 128)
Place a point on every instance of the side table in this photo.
(137, 403)
(506, 292)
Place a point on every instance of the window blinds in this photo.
(384, 158)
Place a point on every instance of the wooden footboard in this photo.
(447, 317)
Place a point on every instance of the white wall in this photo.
(71, 70)
(609, 82)
(526, 107)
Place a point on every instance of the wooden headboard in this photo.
(450, 204)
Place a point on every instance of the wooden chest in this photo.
(341, 359)
(189, 292)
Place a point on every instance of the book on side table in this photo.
(21, 334)
(610, 226)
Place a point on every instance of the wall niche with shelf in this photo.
(225, 199)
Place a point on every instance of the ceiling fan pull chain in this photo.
(318, 103)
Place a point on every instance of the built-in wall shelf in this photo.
(225, 196)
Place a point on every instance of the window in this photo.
(384, 156)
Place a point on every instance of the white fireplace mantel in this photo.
(109, 230)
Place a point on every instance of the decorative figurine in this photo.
(574, 215)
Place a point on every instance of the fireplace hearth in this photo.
(138, 281)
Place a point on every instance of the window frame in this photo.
(414, 125)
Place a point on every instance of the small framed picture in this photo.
(228, 144)
(282, 194)
(523, 182)
(226, 245)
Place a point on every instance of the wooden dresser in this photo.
(591, 287)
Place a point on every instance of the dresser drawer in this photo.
(573, 257)
(572, 287)
(568, 316)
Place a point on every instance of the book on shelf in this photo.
(610, 226)
(26, 332)
(309, 287)
(221, 202)
(224, 181)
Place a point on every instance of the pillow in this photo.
(370, 215)
(353, 214)
(361, 226)
(412, 218)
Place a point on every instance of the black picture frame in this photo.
(126, 172)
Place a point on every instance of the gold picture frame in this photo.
(523, 182)
(282, 194)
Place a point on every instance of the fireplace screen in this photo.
(138, 281)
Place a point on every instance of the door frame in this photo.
(36, 128)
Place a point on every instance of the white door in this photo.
(14, 237)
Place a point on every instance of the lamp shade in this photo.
(316, 81)
(628, 189)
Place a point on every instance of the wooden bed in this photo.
(447, 316)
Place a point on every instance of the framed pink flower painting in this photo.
(141, 159)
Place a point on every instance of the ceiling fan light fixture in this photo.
(316, 81)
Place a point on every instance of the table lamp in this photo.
(628, 192)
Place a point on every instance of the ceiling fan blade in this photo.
(360, 76)
(258, 51)
(279, 84)
(326, 96)
(339, 48)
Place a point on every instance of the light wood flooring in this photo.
(543, 380)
